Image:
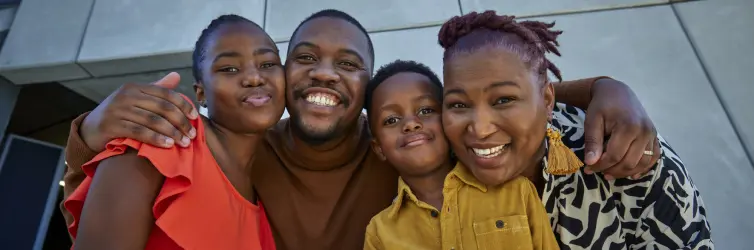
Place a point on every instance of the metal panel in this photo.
(549, 7)
(718, 30)
(152, 35)
(283, 16)
(44, 41)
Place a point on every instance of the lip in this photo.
(257, 97)
(311, 90)
(416, 139)
(491, 162)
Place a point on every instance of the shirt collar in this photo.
(460, 172)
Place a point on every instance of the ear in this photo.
(548, 95)
(199, 90)
(378, 150)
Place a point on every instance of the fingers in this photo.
(170, 81)
(162, 89)
(649, 161)
(594, 135)
(171, 106)
(630, 164)
(144, 134)
(617, 147)
(161, 116)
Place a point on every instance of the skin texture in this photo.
(242, 61)
(491, 99)
(327, 55)
(405, 121)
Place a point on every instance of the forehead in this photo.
(490, 63)
(238, 36)
(332, 34)
(405, 86)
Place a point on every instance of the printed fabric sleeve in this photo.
(673, 215)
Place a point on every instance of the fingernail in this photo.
(192, 133)
(609, 177)
(591, 157)
(636, 176)
(169, 142)
(194, 114)
(185, 141)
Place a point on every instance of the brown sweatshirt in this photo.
(314, 200)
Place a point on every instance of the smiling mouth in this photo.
(489, 152)
(322, 99)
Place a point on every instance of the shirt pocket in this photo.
(507, 232)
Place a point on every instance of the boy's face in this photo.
(405, 120)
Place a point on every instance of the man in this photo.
(319, 181)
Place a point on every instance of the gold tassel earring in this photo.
(560, 159)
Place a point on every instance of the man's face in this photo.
(327, 69)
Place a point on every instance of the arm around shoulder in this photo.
(76, 154)
(117, 212)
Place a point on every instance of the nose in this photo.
(482, 127)
(412, 125)
(324, 72)
(252, 78)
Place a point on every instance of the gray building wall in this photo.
(687, 60)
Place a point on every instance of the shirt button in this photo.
(499, 224)
(433, 214)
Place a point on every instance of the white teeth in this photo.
(321, 99)
(489, 152)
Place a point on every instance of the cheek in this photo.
(454, 125)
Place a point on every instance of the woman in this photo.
(502, 121)
(200, 196)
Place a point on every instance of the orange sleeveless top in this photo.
(197, 207)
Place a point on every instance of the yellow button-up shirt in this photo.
(473, 216)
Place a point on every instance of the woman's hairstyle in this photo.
(530, 40)
(199, 47)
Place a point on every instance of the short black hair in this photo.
(199, 47)
(400, 66)
(338, 15)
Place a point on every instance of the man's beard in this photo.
(314, 136)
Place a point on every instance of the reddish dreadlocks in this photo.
(530, 40)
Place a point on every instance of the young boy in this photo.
(440, 204)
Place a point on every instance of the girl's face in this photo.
(495, 113)
(244, 81)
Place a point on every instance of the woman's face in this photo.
(495, 113)
(244, 81)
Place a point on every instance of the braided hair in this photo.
(530, 40)
(199, 48)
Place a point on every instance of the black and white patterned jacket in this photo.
(661, 210)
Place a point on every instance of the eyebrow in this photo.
(226, 54)
(500, 84)
(425, 97)
(261, 51)
(491, 86)
(345, 51)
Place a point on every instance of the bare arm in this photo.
(117, 213)
(577, 93)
